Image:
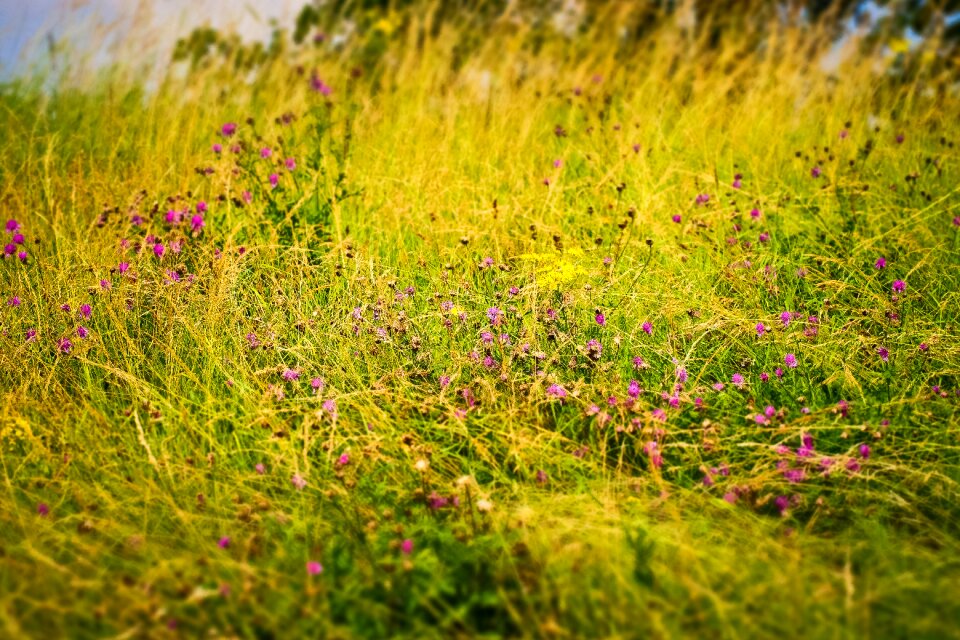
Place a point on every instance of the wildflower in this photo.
(330, 406)
(274, 180)
(647, 328)
(64, 345)
(633, 390)
(123, 267)
(298, 482)
(158, 250)
(556, 391)
(260, 468)
(265, 152)
(290, 374)
(316, 384)
(12, 225)
(228, 129)
(495, 316)
(82, 332)
(764, 237)
(86, 311)
(30, 335)
(864, 450)
(290, 164)
(785, 318)
(406, 547)
(718, 386)
(344, 459)
(638, 363)
(702, 199)
(13, 302)
(106, 285)
(760, 329)
(899, 286)
(790, 360)
(755, 214)
(815, 172)
(737, 380)
(314, 568)
(319, 85)
(883, 353)
(217, 147)
(676, 218)
(923, 346)
(197, 223)
(22, 256)
(601, 319)
(782, 503)
(880, 263)
(223, 542)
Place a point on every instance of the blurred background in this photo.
(98, 32)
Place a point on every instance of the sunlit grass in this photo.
(421, 359)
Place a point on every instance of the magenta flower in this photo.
(647, 328)
(556, 391)
(406, 547)
(790, 360)
(228, 129)
(223, 542)
(864, 450)
(217, 148)
(883, 353)
(265, 152)
(760, 329)
(260, 468)
(785, 318)
(737, 380)
(314, 568)
(676, 218)
(344, 459)
(12, 225)
(86, 311)
(815, 172)
(158, 250)
(123, 267)
(755, 214)
(702, 199)
(43, 509)
(899, 286)
(82, 332)
(319, 85)
(601, 320)
(290, 164)
(274, 180)
(880, 263)
(290, 374)
(197, 223)
(298, 482)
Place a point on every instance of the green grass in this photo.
(142, 441)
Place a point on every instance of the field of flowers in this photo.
(435, 324)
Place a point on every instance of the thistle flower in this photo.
(223, 542)
(737, 380)
(815, 172)
(228, 129)
(647, 328)
(760, 329)
(790, 360)
(883, 353)
(880, 263)
(314, 568)
(64, 345)
(406, 547)
(899, 286)
(556, 391)
(298, 482)
(290, 374)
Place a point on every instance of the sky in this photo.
(25, 24)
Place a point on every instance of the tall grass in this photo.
(426, 334)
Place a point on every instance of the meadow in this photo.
(427, 324)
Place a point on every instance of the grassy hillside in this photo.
(428, 328)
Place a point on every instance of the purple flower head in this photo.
(864, 450)
(785, 318)
(290, 164)
(197, 223)
(647, 328)
(899, 286)
(228, 129)
(223, 542)
(601, 319)
(702, 199)
(495, 316)
(298, 482)
(880, 263)
(760, 329)
(755, 214)
(158, 249)
(12, 225)
(274, 180)
(406, 547)
(815, 172)
(314, 568)
(290, 374)
(676, 218)
(883, 353)
(556, 391)
(737, 380)
(64, 345)
(790, 360)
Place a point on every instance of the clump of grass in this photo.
(419, 334)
